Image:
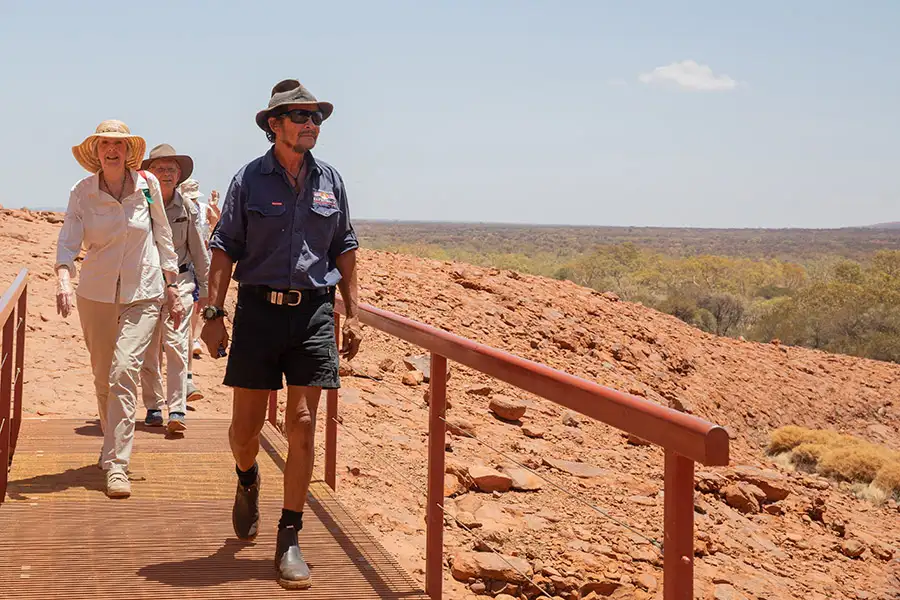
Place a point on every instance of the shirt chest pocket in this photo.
(179, 232)
(321, 224)
(265, 225)
(103, 222)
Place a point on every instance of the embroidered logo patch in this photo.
(324, 199)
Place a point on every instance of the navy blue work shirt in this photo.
(281, 239)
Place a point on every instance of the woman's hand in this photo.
(175, 306)
(65, 298)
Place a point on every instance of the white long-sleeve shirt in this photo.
(120, 243)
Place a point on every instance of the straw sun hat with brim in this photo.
(86, 152)
(166, 151)
(291, 93)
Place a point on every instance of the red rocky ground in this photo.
(761, 532)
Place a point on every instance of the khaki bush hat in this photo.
(86, 152)
(190, 189)
(291, 93)
(166, 151)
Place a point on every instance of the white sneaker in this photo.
(117, 484)
(197, 349)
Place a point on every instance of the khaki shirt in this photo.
(120, 244)
(184, 219)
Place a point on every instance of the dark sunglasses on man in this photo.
(301, 116)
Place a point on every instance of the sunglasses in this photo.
(302, 116)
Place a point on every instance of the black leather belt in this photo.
(286, 297)
(183, 268)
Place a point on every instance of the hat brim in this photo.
(184, 161)
(86, 153)
(262, 117)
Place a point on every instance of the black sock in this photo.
(248, 477)
(291, 518)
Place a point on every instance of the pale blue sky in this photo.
(509, 111)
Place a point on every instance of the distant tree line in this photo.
(830, 303)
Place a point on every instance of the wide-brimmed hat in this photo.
(190, 189)
(291, 93)
(166, 151)
(86, 152)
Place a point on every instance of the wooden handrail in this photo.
(11, 296)
(687, 435)
(13, 314)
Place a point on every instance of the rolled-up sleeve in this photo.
(230, 234)
(71, 236)
(344, 236)
(162, 231)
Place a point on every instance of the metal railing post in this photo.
(331, 415)
(434, 516)
(6, 360)
(19, 377)
(678, 560)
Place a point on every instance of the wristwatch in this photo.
(211, 313)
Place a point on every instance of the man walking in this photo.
(171, 169)
(285, 228)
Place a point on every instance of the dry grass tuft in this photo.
(871, 492)
(888, 478)
(806, 456)
(875, 468)
(788, 438)
(858, 462)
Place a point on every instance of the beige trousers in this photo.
(117, 337)
(176, 343)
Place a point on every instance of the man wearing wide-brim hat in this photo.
(172, 169)
(285, 228)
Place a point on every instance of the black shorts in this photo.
(270, 341)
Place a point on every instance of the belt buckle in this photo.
(299, 297)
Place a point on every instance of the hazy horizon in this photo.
(888, 225)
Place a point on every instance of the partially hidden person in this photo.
(172, 169)
(209, 216)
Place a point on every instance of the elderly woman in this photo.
(116, 215)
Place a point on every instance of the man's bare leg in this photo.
(248, 415)
(300, 427)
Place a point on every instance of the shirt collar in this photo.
(139, 183)
(177, 199)
(270, 164)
